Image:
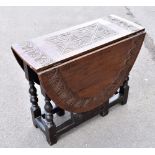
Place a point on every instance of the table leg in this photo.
(124, 90)
(105, 109)
(35, 109)
(50, 127)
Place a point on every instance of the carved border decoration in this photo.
(81, 37)
(35, 53)
(73, 101)
(122, 23)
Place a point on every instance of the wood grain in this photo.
(83, 83)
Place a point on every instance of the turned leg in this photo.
(35, 109)
(124, 90)
(50, 127)
(105, 109)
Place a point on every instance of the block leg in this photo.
(124, 90)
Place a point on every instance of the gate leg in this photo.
(35, 109)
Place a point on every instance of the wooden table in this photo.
(79, 69)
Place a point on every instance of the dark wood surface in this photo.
(86, 82)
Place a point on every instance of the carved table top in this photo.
(54, 48)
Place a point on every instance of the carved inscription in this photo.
(81, 37)
(35, 53)
(122, 23)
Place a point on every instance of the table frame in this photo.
(46, 122)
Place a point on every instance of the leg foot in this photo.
(105, 109)
(50, 134)
(60, 112)
(124, 90)
(104, 113)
